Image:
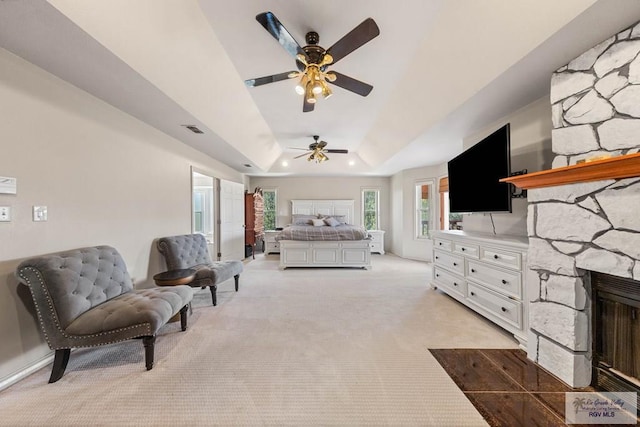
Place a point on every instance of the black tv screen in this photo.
(474, 176)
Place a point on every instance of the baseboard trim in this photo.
(36, 366)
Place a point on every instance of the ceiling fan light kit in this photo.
(317, 151)
(312, 60)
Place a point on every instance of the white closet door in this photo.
(231, 220)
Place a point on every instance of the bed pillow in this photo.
(300, 219)
(342, 219)
(317, 222)
(331, 221)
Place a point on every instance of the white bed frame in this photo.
(343, 253)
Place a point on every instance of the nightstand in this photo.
(271, 245)
(377, 241)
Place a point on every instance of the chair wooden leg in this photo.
(148, 342)
(237, 279)
(60, 361)
(213, 295)
(183, 317)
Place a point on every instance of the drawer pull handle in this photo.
(437, 258)
(455, 284)
(504, 282)
(464, 249)
(437, 275)
(504, 309)
(455, 264)
(472, 270)
(496, 257)
(440, 243)
(473, 294)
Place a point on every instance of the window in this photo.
(423, 198)
(371, 208)
(270, 204)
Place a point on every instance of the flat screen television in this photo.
(474, 176)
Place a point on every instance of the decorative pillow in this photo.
(317, 222)
(342, 219)
(300, 219)
(331, 221)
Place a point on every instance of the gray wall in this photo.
(105, 177)
(530, 149)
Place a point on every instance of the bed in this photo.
(325, 243)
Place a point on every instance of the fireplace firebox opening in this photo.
(616, 333)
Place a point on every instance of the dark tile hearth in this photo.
(505, 387)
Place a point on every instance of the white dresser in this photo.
(271, 245)
(377, 241)
(486, 272)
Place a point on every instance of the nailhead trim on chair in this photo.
(146, 326)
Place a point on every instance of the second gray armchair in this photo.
(190, 251)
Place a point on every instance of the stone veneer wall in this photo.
(585, 226)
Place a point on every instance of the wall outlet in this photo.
(5, 213)
(39, 213)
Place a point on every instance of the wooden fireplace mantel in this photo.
(625, 166)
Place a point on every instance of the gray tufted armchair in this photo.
(190, 251)
(85, 298)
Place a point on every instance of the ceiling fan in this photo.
(317, 151)
(312, 60)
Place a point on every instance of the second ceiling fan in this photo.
(312, 60)
(317, 151)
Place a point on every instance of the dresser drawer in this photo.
(450, 282)
(501, 257)
(504, 281)
(466, 249)
(498, 305)
(443, 245)
(449, 261)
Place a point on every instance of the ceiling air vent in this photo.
(193, 128)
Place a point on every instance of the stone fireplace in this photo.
(584, 227)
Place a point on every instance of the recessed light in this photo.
(285, 163)
(351, 163)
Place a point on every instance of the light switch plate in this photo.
(5, 213)
(39, 213)
(8, 185)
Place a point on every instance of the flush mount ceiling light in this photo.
(312, 60)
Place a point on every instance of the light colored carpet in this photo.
(299, 347)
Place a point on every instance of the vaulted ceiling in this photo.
(440, 70)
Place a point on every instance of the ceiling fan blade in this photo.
(363, 33)
(351, 84)
(296, 148)
(270, 23)
(322, 144)
(302, 155)
(307, 106)
(336, 150)
(259, 81)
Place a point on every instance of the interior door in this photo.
(231, 220)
